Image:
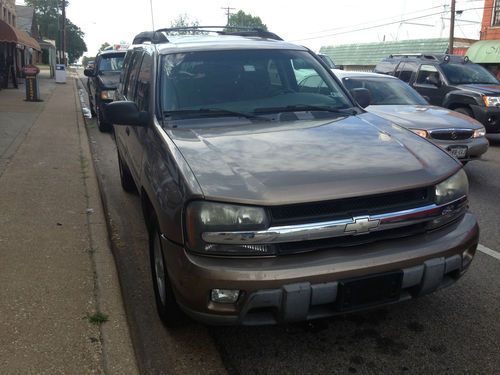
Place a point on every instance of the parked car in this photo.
(328, 61)
(267, 202)
(452, 82)
(460, 135)
(102, 82)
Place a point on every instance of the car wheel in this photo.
(168, 309)
(92, 109)
(104, 127)
(465, 111)
(126, 179)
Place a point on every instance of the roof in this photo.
(112, 52)
(24, 17)
(372, 53)
(11, 34)
(183, 43)
(351, 74)
(484, 51)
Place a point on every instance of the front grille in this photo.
(347, 241)
(452, 134)
(349, 207)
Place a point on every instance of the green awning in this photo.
(485, 52)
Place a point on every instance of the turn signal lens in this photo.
(420, 132)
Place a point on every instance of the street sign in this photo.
(32, 90)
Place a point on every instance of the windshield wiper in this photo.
(212, 112)
(306, 107)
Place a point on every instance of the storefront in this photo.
(17, 49)
(487, 54)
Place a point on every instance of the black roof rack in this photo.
(160, 35)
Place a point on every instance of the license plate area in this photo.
(367, 291)
(459, 152)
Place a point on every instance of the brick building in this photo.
(486, 51)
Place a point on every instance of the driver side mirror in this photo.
(125, 113)
(88, 72)
(362, 96)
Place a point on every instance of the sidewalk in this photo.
(56, 268)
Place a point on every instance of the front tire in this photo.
(168, 309)
(126, 179)
(104, 127)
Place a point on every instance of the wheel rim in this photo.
(159, 270)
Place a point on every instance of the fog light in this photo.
(224, 295)
(467, 256)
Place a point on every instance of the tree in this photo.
(241, 19)
(104, 46)
(183, 20)
(49, 19)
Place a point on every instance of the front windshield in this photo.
(385, 91)
(111, 63)
(245, 81)
(459, 74)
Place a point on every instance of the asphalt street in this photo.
(453, 331)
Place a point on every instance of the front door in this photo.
(430, 84)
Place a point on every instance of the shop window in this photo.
(496, 14)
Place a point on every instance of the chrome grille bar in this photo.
(345, 227)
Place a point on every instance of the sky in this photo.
(313, 23)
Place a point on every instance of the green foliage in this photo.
(98, 318)
(245, 20)
(183, 20)
(86, 59)
(104, 46)
(48, 13)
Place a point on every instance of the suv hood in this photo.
(109, 80)
(425, 117)
(307, 161)
(481, 88)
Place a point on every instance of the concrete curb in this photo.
(118, 352)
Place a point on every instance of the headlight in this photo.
(491, 101)
(453, 188)
(479, 133)
(107, 94)
(420, 132)
(221, 217)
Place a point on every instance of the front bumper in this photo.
(475, 146)
(488, 116)
(304, 286)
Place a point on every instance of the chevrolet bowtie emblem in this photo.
(361, 225)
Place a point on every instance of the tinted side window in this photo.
(425, 72)
(131, 79)
(143, 83)
(406, 71)
(385, 67)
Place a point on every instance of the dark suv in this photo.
(450, 81)
(269, 202)
(103, 79)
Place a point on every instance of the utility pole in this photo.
(63, 32)
(228, 13)
(152, 14)
(452, 27)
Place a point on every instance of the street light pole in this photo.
(63, 33)
(452, 27)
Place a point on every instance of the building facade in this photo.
(17, 47)
(490, 26)
(8, 12)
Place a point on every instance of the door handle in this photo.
(127, 130)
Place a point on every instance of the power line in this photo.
(365, 23)
(380, 25)
(228, 12)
